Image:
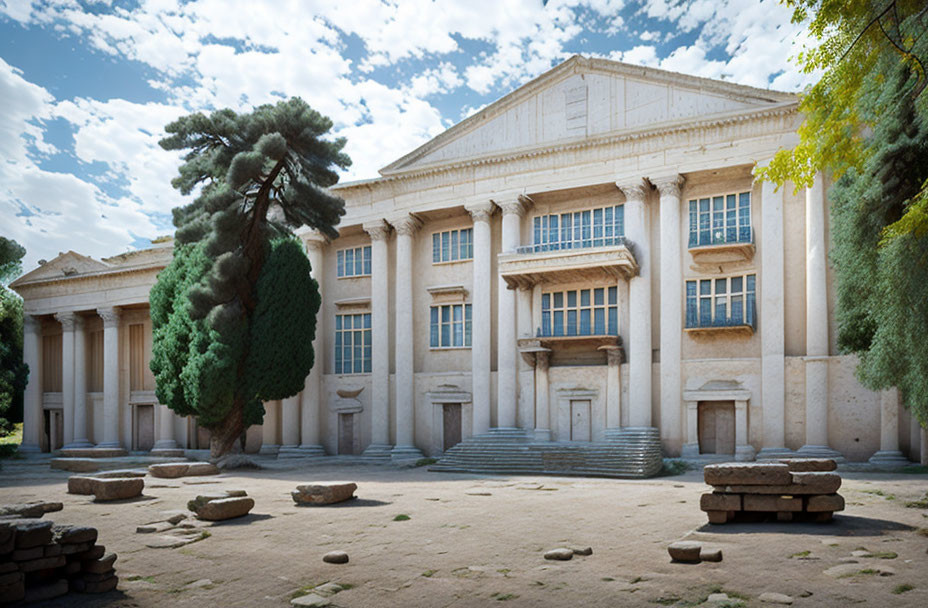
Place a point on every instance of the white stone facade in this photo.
(723, 337)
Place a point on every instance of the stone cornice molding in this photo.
(633, 191)
(66, 319)
(482, 211)
(110, 316)
(513, 204)
(668, 185)
(406, 225)
(378, 230)
(88, 276)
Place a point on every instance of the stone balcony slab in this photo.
(595, 264)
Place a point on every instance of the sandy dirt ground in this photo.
(479, 541)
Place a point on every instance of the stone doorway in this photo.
(451, 425)
(143, 427)
(346, 434)
(580, 427)
(716, 427)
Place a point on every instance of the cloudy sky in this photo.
(86, 87)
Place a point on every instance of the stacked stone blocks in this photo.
(788, 490)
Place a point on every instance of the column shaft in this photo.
(290, 421)
(80, 439)
(889, 454)
(507, 348)
(67, 374)
(269, 439)
(110, 377)
(691, 447)
(32, 398)
(380, 340)
(639, 360)
(480, 311)
(542, 398)
(311, 400)
(406, 228)
(613, 388)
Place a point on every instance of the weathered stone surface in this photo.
(13, 592)
(117, 489)
(800, 465)
(32, 510)
(168, 470)
(335, 557)
(107, 584)
(323, 493)
(825, 502)
(226, 508)
(52, 550)
(561, 554)
(80, 484)
(310, 600)
(174, 517)
(822, 486)
(165, 541)
(43, 563)
(74, 535)
(717, 597)
(684, 551)
(710, 555)
(821, 482)
(96, 577)
(720, 502)
(73, 549)
(771, 503)
(747, 474)
(197, 503)
(584, 551)
(95, 552)
(32, 533)
(23, 555)
(328, 589)
(202, 468)
(843, 570)
(75, 465)
(99, 566)
(718, 517)
(120, 474)
(160, 526)
(42, 593)
(775, 598)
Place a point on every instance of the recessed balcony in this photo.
(705, 323)
(722, 245)
(593, 260)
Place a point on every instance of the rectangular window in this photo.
(580, 312)
(720, 302)
(453, 245)
(720, 219)
(353, 344)
(354, 262)
(598, 227)
(449, 326)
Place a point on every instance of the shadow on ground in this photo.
(841, 525)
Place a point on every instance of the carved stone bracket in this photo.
(481, 212)
(110, 316)
(406, 225)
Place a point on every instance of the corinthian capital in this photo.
(406, 225)
(110, 316)
(634, 190)
(378, 230)
(668, 185)
(516, 204)
(315, 240)
(67, 320)
(481, 212)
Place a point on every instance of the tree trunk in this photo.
(225, 437)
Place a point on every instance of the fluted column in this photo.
(507, 348)
(110, 318)
(311, 399)
(671, 309)
(526, 417)
(816, 360)
(32, 398)
(380, 445)
(269, 443)
(639, 296)
(290, 422)
(166, 444)
(480, 312)
(67, 374)
(613, 386)
(889, 454)
(79, 437)
(406, 228)
(772, 323)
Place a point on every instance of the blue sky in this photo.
(87, 86)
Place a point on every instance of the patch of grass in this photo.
(147, 579)
(505, 596)
(922, 532)
(885, 555)
(665, 601)
(900, 589)
(921, 503)
(504, 571)
(607, 579)
(880, 493)
(305, 589)
(424, 462)
(635, 580)
(429, 573)
(915, 469)
(801, 554)
(672, 467)
(402, 517)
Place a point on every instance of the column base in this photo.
(98, 451)
(29, 448)
(269, 449)
(745, 453)
(300, 451)
(690, 450)
(889, 459)
(166, 448)
(78, 444)
(378, 450)
(542, 434)
(820, 451)
(405, 452)
(769, 453)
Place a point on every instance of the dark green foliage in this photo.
(13, 372)
(234, 313)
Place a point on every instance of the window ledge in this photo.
(447, 293)
(738, 330)
(722, 253)
(354, 304)
(549, 341)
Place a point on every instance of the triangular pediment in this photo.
(586, 98)
(65, 265)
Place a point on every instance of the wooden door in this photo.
(580, 420)
(451, 425)
(716, 427)
(346, 433)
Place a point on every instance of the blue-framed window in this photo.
(353, 344)
(598, 227)
(723, 302)
(452, 245)
(720, 219)
(450, 326)
(354, 262)
(580, 312)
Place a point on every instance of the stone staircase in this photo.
(629, 452)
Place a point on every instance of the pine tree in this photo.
(14, 373)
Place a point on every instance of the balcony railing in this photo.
(736, 319)
(722, 236)
(583, 243)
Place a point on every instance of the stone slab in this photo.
(202, 468)
(820, 481)
(771, 503)
(93, 452)
(30, 509)
(685, 551)
(323, 493)
(822, 486)
(32, 533)
(718, 517)
(720, 502)
(168, 470)
(826, 502)
(43, 563)
(747, 474)
(75, 465)
(80, 484)
(226, 508)
(804, 465)
(117, 489)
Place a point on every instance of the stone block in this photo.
(7, 567)
(95, 552)
(43, 593)
(32, 533)
(684, 551)
(11, 578)
(73, 549)
(340, 557)
(31, 510)
(710, 555)
(226, 508)
(826, 502)
(159, 526)
(323, 493)
(720, 502)
(821, 483)
(718, 517)
(94, 452)
(75, 465)
(13, 592)
(201, 499)
(168, 470)
(52, 550)
(803, 465)
(74, 535)
(80, 484)
(99, 566)
(202, 468)
(771, 503)
(822, 486)
(99, 587)
(43, 563)
(96, 577)
(117, 489)
(746, 474)
(25, 555)
(120, 474)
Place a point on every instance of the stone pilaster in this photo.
(311, 398)
(67, 321)
(889, 455)
(613, 386)
(671, 322)
(406, 228)
(110, 316)
(32, 399)
(380, 446)
(480, 313)
(542, 397)
(639, 339)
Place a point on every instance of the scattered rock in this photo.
(561, 554)
(170, 541)
(203, 582)
(197, 503)
(99, 566)
(847, 560)
(775, 598)
(717, 597)
(201, 468)
(168, 470)
(860, 553)
(710, 555)
(685, 551)
(74, 535)
(226, 508)
(31, 510)
(323, 493)
(328, 589)
(118, 488)
(310, 600)
(584, 551)
(335, 557)
(843, 570)
(160, 526)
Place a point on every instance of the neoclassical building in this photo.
(587, 258)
